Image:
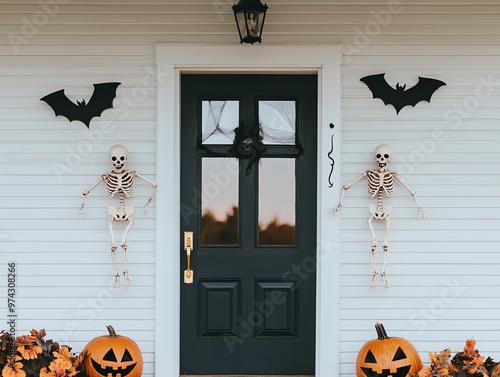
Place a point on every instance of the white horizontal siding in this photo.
(348, 21)
(442, 270)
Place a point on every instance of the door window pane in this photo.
(218, 121)
(277, 119)
(277, 201)
(219, 201)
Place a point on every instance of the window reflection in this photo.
(219, 201)
(277, 201)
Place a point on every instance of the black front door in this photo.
(248, 194)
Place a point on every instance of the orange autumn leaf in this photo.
(13, 370)
(29, 353)
(58, 368)
(38, 334)
(470, 347)
(64, 353)
(25, 340)
(61, 364)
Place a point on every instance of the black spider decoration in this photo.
(247, 144)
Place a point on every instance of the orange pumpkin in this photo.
(387, 356)
(112, 355)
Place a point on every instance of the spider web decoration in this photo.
(212, 124)
(279, 129)
(276, 126)
(285, 133)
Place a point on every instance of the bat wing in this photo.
(381, 89)
(62, 105)
(422, 91)
(101, 99)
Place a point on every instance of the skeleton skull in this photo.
(118, 156)
(247, 144)
(383, 155)
(246, 147)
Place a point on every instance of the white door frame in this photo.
(171, 61)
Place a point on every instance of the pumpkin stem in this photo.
(112, 332)
(381, 333)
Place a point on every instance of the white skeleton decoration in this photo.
(380, 182)
(120, 182)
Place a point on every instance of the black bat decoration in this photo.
(401, 97)
(101, 99)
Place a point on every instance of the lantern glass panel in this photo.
(250, 25)
(240, 18)
(254, 22)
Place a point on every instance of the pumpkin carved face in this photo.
(384, 357)
(112, 356)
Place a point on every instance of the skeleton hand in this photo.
(80, 209)
(336, 209)
(421, 212)
(146, 207)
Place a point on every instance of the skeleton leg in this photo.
(114, 246)
(385, 246)
(374, 246)
(380, 213)
(120, 214)
(124, 248)
(374, 273)
(373, 212)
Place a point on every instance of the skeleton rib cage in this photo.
(378, 181)
(123, 182)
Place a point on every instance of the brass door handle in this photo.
(188, 246)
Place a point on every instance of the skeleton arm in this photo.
(420, 211)
(154, 185)
(86, 192)
(345, 188)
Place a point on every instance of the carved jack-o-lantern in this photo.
(112, 356)
(384, 356)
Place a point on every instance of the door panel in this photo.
(248, 192)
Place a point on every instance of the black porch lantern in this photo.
(250, 15)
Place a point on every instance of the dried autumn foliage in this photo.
(468, 363)
(33, 356)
